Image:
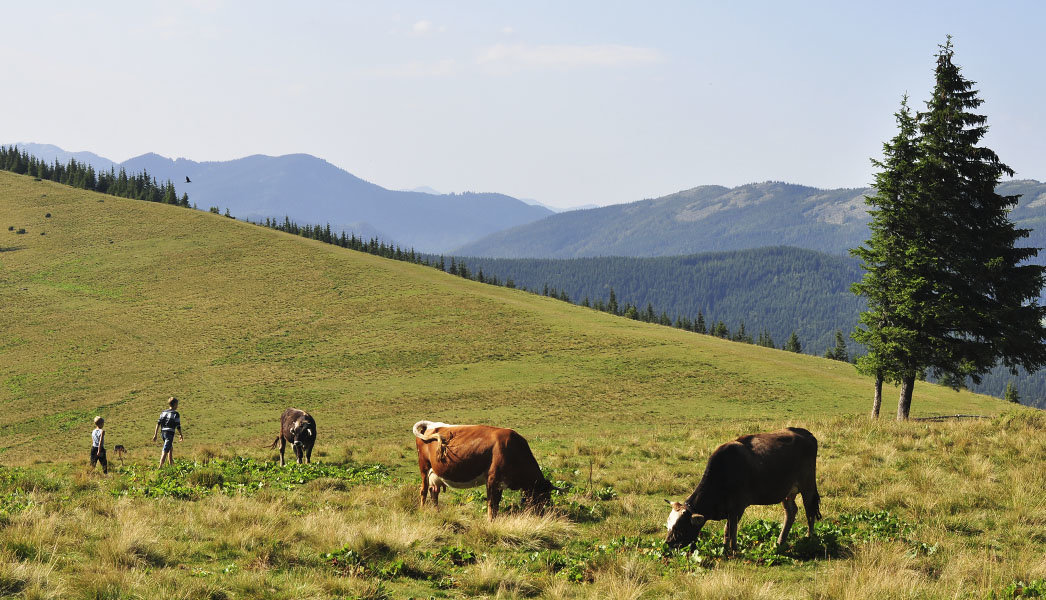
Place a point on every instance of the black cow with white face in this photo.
(299, 428)
(764, 468)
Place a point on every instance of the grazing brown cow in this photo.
(299, 428)
(765, 468)
(465, 456)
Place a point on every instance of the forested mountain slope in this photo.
(779, 290)
(711, 218)
(111, 305)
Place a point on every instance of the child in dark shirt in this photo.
(169, 421)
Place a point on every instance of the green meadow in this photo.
(112, 305)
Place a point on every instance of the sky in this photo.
(566, 102)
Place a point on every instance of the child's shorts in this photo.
(99, 456)
(168, 439)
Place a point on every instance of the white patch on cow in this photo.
(673, 517)
(436, 480)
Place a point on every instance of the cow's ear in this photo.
(698, 520)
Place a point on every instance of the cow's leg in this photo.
(493, 498)
(790, 511)
(811, 499)
(298, 454)
(308, 455)
(283, 446)
(424, 479)
(730, 535)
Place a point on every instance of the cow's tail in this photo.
(421, 432)
(276, 441)
(812, 505)
(811, 498)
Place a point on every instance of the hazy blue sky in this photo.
(567, 102)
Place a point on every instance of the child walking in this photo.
(98, 445)
(169, 421)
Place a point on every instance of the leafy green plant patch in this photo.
(194, 480)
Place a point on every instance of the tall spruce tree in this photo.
(890, 271)
(947, 289)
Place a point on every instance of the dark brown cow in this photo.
(765, 468)
(465, 456)
(299, 428)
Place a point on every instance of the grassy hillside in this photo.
(123, 303)
(112, 305)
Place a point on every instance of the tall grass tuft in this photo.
(491, 577)
(524, 530)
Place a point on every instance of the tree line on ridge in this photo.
(138, 186)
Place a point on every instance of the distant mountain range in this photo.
(311, 190)
(711, 218)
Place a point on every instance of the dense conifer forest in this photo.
(777, 290)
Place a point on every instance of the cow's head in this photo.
(300, 432)
(683, 525)
(540, 495)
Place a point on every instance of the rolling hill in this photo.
(712, 218)
(112, 305)
(311, 190)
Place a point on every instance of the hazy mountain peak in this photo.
(427, 190)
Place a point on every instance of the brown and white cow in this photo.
(465, 456)
(764, 468)
(299, 428)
